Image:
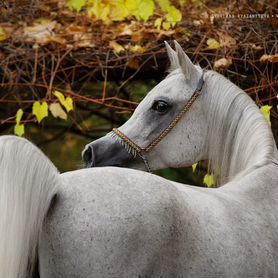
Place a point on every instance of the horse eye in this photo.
(160, 106)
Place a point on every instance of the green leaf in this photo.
(265, 109)
(158, 23)
(66, 102)
(166, 25)
(19, 128)
(40, 110)
(76, 5)
(132, 5)
(194, 167)
(164, 4)
(57, 111)
(140, 9)
(209, 180)
(19, 115)
(174, 16)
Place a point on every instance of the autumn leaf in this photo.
(173, 16)
(126, 31)
(225, 39)
(141, 9)
(41, 31)
(76, 5)
(100, 11)
(265, 109)
(209, 180)
(256, 47)
(145, 9)
(66, 102)
(213, 44)
(3, 35)
(164, 4)
(269, 58)
(57, 111)
(222, 63)
(19, 128)
(158, 23)
(40, 110)
(118, 10)
(117, 48)
(166, 25)
(138, 49)
(194, 167)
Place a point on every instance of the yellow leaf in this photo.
(19, 115)
(222, 63)
(40, 110)
(164, 4)
(141, 9)
(118, 10)
(76, 5)
(194, 167)
(158, 23)
(173, 16)
(213, 44)
(138, 49)
(132, 5)
(66, 102)
(117, 48)
(265, 109)
(209, 180)
(19, 128)
(3, 35)
(166, 25)
(100, 11)
(57, 111)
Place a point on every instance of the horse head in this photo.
(169, 119)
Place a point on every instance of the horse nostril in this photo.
(88, 156)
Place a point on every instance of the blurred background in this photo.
(71, 70)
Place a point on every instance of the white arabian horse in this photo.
(115, 222)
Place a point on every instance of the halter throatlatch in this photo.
(136, 150)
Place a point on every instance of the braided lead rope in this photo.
(146, 162)
(134, 146)
(173, 123)
(131, 147)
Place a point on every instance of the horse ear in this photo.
(173, 56)
(191, 73)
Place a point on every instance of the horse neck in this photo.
(239, 138)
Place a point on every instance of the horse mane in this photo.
(239, 137)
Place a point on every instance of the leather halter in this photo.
(136, 150)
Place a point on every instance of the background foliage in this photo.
(70, 70)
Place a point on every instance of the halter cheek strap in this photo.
(136, 150)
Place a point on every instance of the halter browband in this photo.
(133, 148)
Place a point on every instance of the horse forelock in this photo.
(239, 139)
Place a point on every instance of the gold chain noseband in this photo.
(133, 148)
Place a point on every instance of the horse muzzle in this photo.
(107, 152)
